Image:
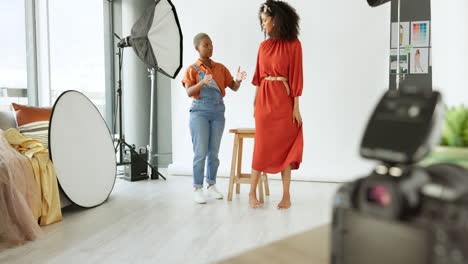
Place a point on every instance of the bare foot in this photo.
(285, 203)
(253, 202)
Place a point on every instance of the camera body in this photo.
(401, 212)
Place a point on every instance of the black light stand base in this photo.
(154, 174)
(134, 178)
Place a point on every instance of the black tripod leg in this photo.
(160, 174)
(140, 157)
(120, 144)
(117, 146)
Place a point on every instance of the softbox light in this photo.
(375, 3)
(156, 38)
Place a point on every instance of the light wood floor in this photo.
(157, 222)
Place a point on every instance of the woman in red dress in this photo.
(278, 78)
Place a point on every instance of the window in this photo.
(13, 68)
(76, 48)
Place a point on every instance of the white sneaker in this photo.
(199, 196)
(214, 193)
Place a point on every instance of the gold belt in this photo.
(280, 79)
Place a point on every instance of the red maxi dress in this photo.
(278, 141)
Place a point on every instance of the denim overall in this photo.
(206, 127)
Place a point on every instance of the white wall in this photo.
(450, 49)
(345, 46)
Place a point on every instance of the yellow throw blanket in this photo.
(44, 173)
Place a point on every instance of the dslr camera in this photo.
(402, 213)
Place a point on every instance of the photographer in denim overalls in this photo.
(206, 82)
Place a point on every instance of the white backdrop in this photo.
(450, 49)
(345, 46)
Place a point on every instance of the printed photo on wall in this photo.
(420, 31)
(419, 61)
(400, 34)
(403, 61)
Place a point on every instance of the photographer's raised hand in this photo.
(240, 76)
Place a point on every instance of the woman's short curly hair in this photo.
(285, 19)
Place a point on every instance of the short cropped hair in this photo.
(198, 38)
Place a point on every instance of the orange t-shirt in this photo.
(221, 75)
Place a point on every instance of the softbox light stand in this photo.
(399, 76)
(156, 38)
(121, 143)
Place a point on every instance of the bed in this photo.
(22, 194)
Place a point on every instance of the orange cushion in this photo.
(28, 114)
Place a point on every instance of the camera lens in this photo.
(379, 195)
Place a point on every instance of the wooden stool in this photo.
(237, 177)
